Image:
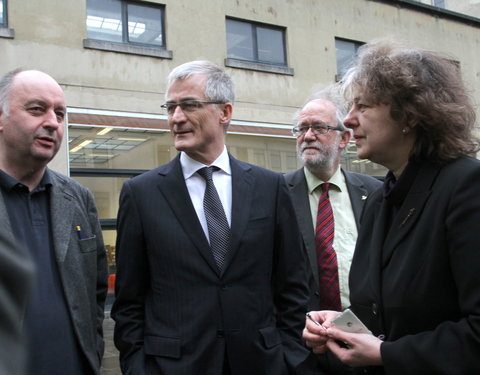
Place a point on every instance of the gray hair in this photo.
(6, 83)
(333, 95)
(219, 86)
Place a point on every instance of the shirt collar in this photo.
(190, 166)
(395, 190)
(313, 182)
(8, 182)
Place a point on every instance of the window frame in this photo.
(132, 47)
(256, 63)
(357, 44)
(4, 19)
(5, 31)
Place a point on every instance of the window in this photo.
(5, 32)
(106, 21)
(346, 51)
(3, 13)
(256, 42)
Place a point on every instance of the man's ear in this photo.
(345, 138)
(227, 111)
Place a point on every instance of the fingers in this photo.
(315, 342)
(314, 333)
(354, 349)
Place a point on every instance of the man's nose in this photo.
(52, 119)
(178, 114)
(309, 134)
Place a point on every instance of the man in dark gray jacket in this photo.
(55, 220)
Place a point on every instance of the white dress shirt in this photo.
(222, 180)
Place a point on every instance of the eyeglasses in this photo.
(187, 106)
(317, 129)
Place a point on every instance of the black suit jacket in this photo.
(418, 281)
(174, 313)
(359, 189)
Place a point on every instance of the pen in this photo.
(79, 232)
(314, 321)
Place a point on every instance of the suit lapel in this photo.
(299, 189)
(358, 195)
(242, 192)
(175, 191)
(410, 210)
(62, 210)
(376, 235)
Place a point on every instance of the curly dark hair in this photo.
(426, 93)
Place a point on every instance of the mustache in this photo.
(316, 145)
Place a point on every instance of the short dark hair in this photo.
(425, 91)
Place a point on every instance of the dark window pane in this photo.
(104, 20)
(145, 25)
(270, 45)
(345, 51)
(240, 40)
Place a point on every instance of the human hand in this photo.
(359, 349)
(315, 331)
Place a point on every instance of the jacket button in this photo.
(374, 308)
(220, 334)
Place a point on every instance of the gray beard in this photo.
(323, 161)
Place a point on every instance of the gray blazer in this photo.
(82, 264)
(359, 187)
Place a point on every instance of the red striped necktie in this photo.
(326, 255)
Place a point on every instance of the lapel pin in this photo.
(364, 197)
(410, 213)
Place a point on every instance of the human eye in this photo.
(169, 107)
(190, 105)
(320, 128)
(360, 104)
(302, 129)
(35, 110)
(60, 115)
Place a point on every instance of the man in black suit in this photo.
(321, 139)
(179, 308)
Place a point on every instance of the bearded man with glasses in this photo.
(321, 140)
(210, 268)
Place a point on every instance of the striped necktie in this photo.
(326, 255)
(218, 229)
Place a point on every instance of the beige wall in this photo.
(49, 36)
